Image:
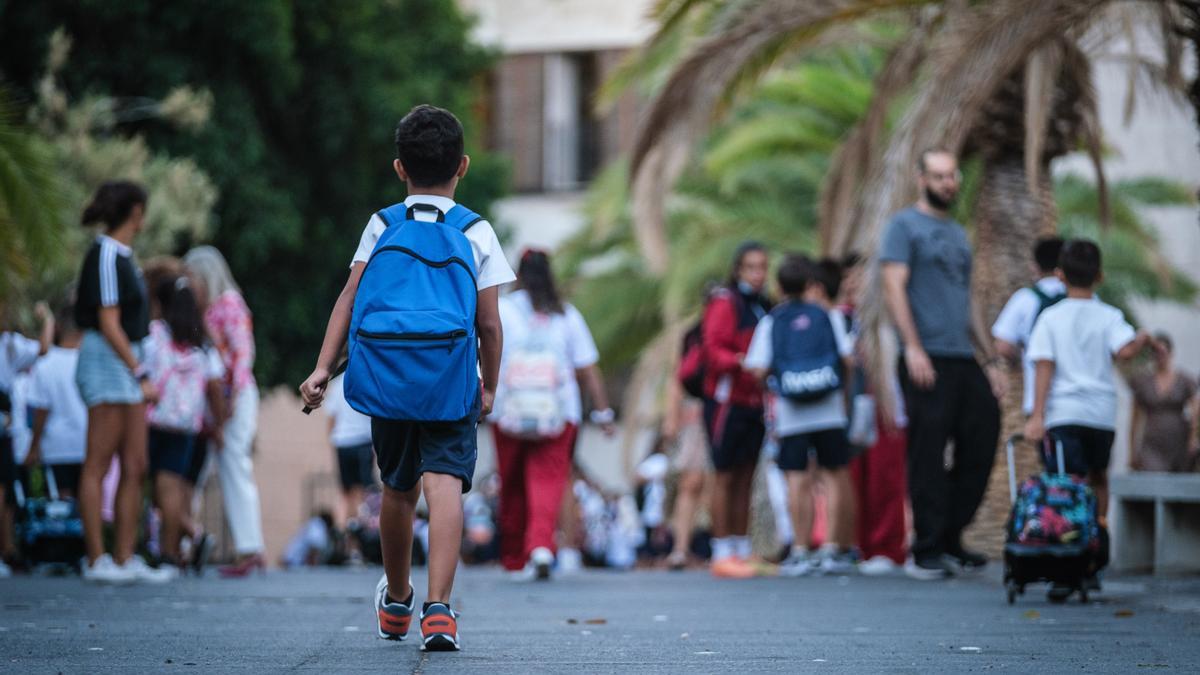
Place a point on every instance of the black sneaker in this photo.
(202, 549)
(967, 561)
(928, 568)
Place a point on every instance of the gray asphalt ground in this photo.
(599, 621)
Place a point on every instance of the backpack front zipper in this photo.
(414, 337)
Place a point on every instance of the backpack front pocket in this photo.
(403, 371)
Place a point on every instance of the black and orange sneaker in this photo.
(393, 617)
(439, 628)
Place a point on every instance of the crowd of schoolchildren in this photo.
(150, 377)
(140, 381)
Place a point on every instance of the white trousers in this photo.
(238, 489)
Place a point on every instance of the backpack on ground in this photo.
(413, 352)
(531, 375)
(1045, 300)
(805, 363)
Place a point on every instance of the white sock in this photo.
(722, 547)
(742, 548)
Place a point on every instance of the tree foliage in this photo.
(305, 97)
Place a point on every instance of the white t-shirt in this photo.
(491, 267)
(350, 427)
(1015, 325)
(52, 388)
(17, 353)
(568, 336)
(1080, 337)
(791, 417)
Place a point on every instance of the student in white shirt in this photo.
(548, 353)
(817, 427)
(1014, 325)
(59, 424)
(1073, 347)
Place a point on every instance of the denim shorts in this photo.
(102, 377)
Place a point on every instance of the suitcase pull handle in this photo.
(1012, 467)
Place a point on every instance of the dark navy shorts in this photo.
(735, 434)
(406, 450)
(355, 465)
(171, 451)
(1086, 450)
(829, 445)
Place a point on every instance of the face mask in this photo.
(746, 288)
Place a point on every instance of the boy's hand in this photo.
(489, 399)
(1035, 429)
(312, 390)
(998, 379)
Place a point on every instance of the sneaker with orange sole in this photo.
(732, 568)
(439, 629)
(393, 618)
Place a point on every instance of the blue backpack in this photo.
(805, 363)
(413, 352)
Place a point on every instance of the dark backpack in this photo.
(1045, 300)
(691, 362)
(805, 363)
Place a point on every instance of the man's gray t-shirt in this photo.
(939, 283)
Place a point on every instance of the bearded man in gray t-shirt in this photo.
(926, 264)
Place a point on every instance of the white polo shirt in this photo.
(1015, 324)
(491, 267)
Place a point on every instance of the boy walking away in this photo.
(1073, 347)
(421, 312)
(1014, 325)
(59, 416)
(805, 355)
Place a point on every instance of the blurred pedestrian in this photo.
(1165, 426)
(683, 428)
(187, 373)
(1014, 325)
(350, 435)
(733, 406)
(926, 262)
(229, 325)
(548, 354)
(113, 311)
(59, 414)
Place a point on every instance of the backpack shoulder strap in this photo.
(1041, 295)
(462, 219)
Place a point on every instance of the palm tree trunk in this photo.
(1008, 222)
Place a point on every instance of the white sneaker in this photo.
(542, 560)
(878, 566)
(105, 571)
(569, 560)
(835, 562)
(798, 564)
(5, 570)
(143, 572)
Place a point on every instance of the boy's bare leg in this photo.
(443, 494)
(722, 498)
(687, 501)
(841, 507)
(396, 537)
(1099, 483)
(800, 505)
(739, 516)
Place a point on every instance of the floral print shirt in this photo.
(232, 331)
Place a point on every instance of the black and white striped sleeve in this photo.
(109, 288)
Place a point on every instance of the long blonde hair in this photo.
(210, 267)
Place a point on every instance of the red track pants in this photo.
(533, 475)
(879, 477)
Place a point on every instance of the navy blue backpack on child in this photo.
(805, 363)
(413, 352)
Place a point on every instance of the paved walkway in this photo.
(598, 622)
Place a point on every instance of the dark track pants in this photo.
(960, 407)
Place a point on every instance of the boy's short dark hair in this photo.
(1046, 252)
(429, 143)
(831, 276)
(795, 273)
(1080, 263)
